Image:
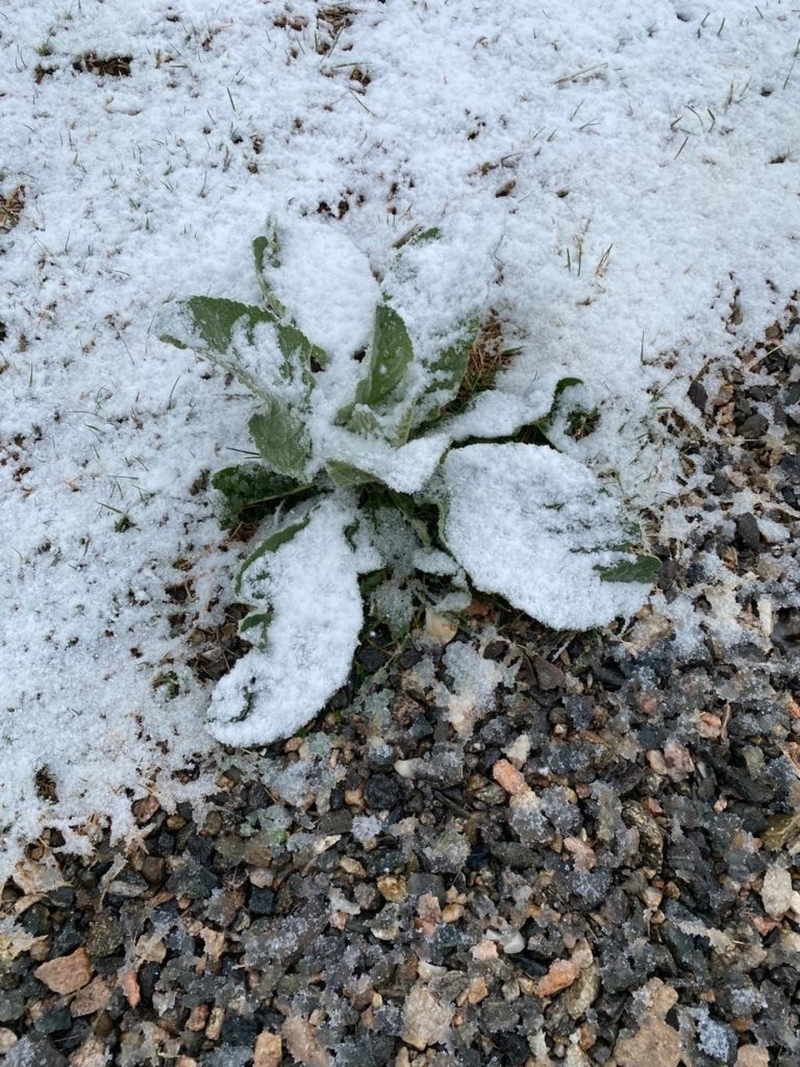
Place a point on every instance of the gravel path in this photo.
(514, 847)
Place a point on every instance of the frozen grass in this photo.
(632, 174)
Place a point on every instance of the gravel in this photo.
(599, 866)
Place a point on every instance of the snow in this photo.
(534, 525)
(609, 175)
(310, 584)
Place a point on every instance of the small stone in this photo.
(679, 762)
(91, 998)
(584, 855)
(485, 951)
(478, 990)
(392, 887)
(548, 675)
(754, 426)
(129, 885)
(509, 778)
(777, 894)
(33, 1050)
(580, 996)
(654, 1043)
(67, 973)
(190, 879)
(92, 1053)
(261, 901)
(747, 531)
(7, 1039)
(301, 1041)
(439, 627)
(12, 1005)
(54, 1022)
(268, 1050)
(198, 1017)
(451, 913)
(561, 975)
(752, 1056)
(105, 936)
(425, 1020)
(698, 395)
(215, 1021)
(383, 792)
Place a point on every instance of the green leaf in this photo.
(390, 356)
(300, 354)
(346, 475)
(215, 319)
(445, 375)
(565, 383)
(267, 253)
(255, 619)
(281, 438)
(433, 233)
(271, 544)
(252, 491)
(641, 568)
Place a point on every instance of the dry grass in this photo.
(11, 209)
(487, 357)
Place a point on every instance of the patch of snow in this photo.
(533, 525)
(633, 153)
(310, 584)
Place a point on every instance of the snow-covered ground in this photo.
(630, 171)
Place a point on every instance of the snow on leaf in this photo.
(535, 526)
(267, 253)
(281, 438)
(390, 356)
(311, 585)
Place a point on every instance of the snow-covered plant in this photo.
(391, 448)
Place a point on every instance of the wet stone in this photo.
(12, 1005)
(754, 426)
(54, 1022)
(261, 901)
(192, 880)
(36, 920)
(383, 792)
(105, 936)
(747, 531)
(34, 1050)
(67, 939)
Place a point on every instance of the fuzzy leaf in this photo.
(346, 475)
(266, 253)
(210, 325)
(302, 357)
(270, 544)
(433, 233)
(309, 584)
(281, 438)
(445, 375)
(566, 383)
(640, 568)
(251, 491)
(215, 319)
(256, 620)
(390, 356)
(537, 527)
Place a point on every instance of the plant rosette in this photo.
(391, 446)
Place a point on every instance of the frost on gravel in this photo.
(311, 588)
(536, 527)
